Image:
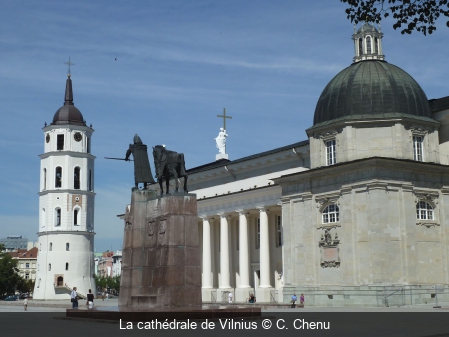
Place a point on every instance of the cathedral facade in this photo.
(360, 206)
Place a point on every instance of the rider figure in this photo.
(142, 169)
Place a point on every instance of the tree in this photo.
(108, 282)
(9, 277)
(410, 15)
(25, 286)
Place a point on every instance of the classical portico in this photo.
(243, 251)
(240, 225)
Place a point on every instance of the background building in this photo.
(14, 242)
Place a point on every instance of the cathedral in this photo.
(360, 207)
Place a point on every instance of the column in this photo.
(224, 253)
(243, 250)
(264, 249)
(207, 254)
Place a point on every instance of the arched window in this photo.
(76, 178)
(76, 212)
(67, 246)
(424, 211)
(368, 45)
(360, 46)
(90, 179)
(331, 214)
(45, 178)
(58, 176)
(67, 266)
(51, 246)
(376, 46)
(57, 217)
(49, 267)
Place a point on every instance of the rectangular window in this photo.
(331, 157)
(258, 234)
(58, 217)
(60, 143)
(27, 265)
(58, 177)
(418, 148)
(279, 231)
(27, 276)
(76, 178)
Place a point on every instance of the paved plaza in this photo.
(47, 318)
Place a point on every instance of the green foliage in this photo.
(9, 277)
(410, 15)
(25, 286)
(105, 282)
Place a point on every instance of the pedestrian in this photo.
(107, 296)
(301, 300)
(90, 299)
(103, 294)
(25, 304)
(74, 298)
(230, 297)
(293, 301)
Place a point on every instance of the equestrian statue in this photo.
(169, 164)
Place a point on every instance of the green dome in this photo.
(371, 89)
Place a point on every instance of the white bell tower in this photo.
(66, 205)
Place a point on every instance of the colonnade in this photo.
(224, 281)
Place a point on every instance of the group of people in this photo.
(74, 299)
(294, 299)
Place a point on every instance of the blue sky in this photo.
(164, 70)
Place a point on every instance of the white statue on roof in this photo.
(221, 141)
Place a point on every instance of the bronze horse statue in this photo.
(169, 164)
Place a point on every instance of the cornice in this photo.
(70, 191)
(67, 153)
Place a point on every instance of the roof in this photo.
(367, 28)
(17, 253)
(32, 253)
(224, 162)
(68, 113)
(368, 89)
(439, 104)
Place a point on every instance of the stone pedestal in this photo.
(161, 256)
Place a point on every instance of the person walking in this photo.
(25, 304)
(90, 299)
(230, 297)
(294, 299)
(74, 298)
(302, 300)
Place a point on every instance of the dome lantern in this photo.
(368, 43)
